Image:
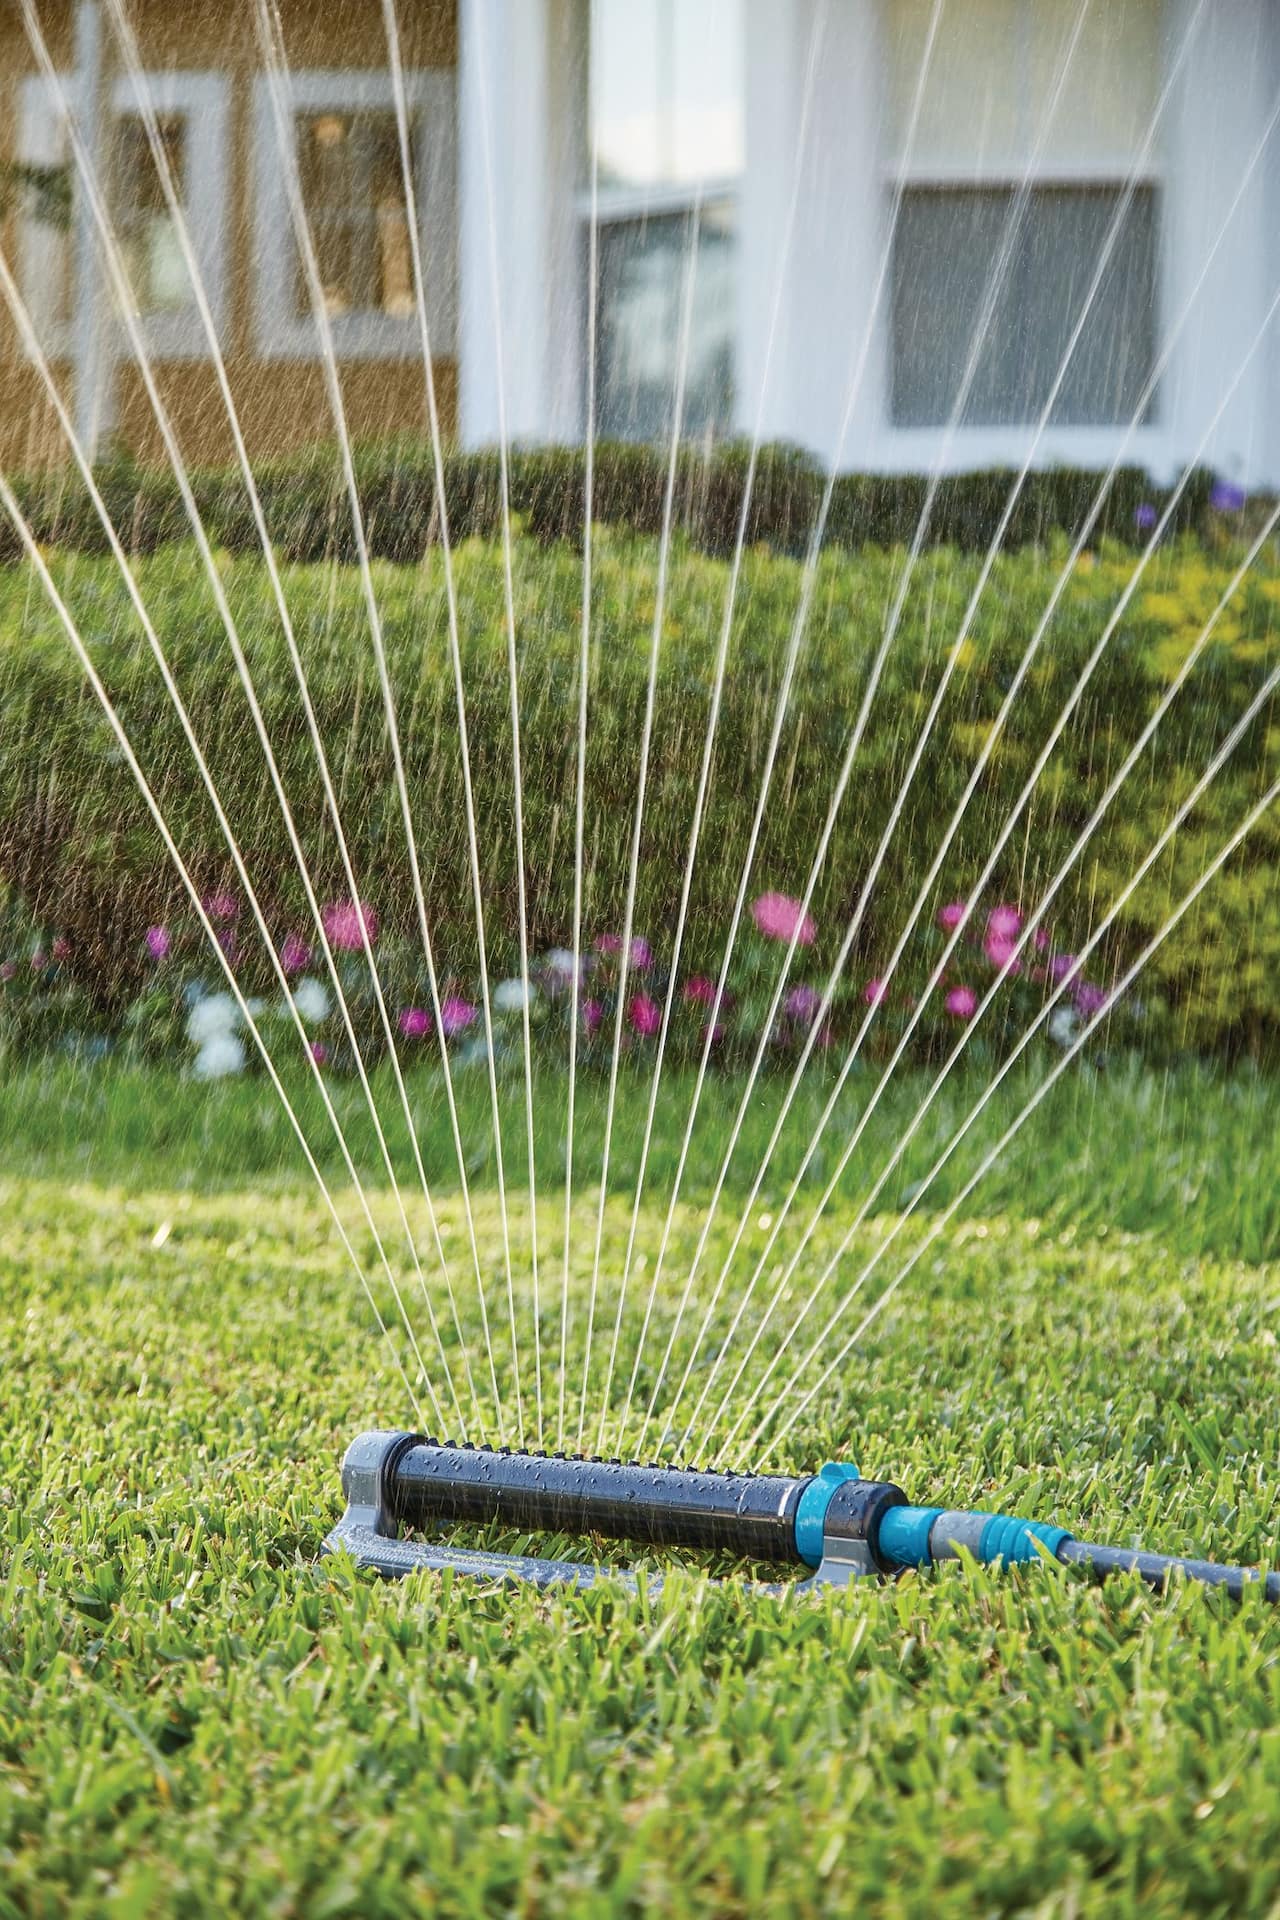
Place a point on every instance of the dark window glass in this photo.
(945, 256)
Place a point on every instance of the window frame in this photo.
(906, 447)
(202, 99)
(280, 332)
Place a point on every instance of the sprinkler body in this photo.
(839, 1525)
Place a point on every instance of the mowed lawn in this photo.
(200, 1715)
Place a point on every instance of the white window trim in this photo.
(280, 331)
(652, 202)
(203, 100)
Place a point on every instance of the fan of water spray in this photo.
(742, 1353)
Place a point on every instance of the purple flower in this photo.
(1000, 953)
(609, 943)
(874, 992)
(349, 925)
(802, 1004)
(414, 1022)
(1062, 966)
(592, 1015)
(961, 1003)
(7, 970)
(295, 954)
(641, 954)
(700, 990)
(1090, 1000)
(221, 906)
(1227, 498)
(158, 942)
(319, 1052)
(61, 948)
(644, 1014)
(779, 917)
(456, 1014)
(1145, 517)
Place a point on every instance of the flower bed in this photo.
(346, 987)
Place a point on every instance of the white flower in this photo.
(562, 969)
(221, 1054)
(210, 1018)
(1063, 1026)
(509, 996)
(311, 1000)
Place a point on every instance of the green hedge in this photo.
(306, 502)
(76, 843)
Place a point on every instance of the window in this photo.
(191, 109)
(347, 145)
(988, 282)
(666, 108)
(148, 233)
(353, 186)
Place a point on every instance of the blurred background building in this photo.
(885, 272)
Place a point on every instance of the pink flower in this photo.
(874, 992)
(779, 917)
(349, 925)
(158, 942)
(1062, 965)
(952, 915)
(221, 906)
(641, 955)
(7, 970)
(295, 954)
(714, 1034)
(319, 1052)
(61, 948)
(961, 1003)
(700, 990)
(592, 1015)
(802, 1004)
(1090, 1000)
(1004, 923)
(456, 1015)
(229, 944)
(609, 943)
(414, 1022)
(644, 1014)
(1042, 939)
(1000, 951)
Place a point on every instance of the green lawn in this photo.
(200, 1716)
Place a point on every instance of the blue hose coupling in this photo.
(921, 1536)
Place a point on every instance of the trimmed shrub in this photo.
(76, 842)
(307, 509)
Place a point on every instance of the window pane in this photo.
(945, 253)
(642, 281)
(353, 190)
(149, 239)
(666, 90)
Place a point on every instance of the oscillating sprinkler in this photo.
(839, 1525)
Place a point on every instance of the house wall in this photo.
(281, 401)
(827, 372)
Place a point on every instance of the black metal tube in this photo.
(748, 1514)
(1158, 1569)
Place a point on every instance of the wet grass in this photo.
(199, 1716)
